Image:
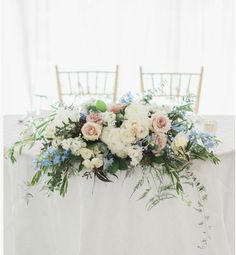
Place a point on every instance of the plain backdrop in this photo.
(170, 35)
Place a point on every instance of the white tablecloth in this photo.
(107, 221)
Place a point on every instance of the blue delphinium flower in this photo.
(57, 160)
(193, 136)
(51, 157)
(127, 98)
(46, 163)
(65, 155)
(207, 139)
(51, 150)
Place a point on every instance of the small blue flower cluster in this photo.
(207, 139)
(127, 98)
(51, 157)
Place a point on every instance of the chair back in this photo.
(77, 86)
(172, 88)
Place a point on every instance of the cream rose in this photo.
(86, 153)
(91, 131)
(97, 162)
(160, 123)
(88, 164)
(180, 141)
(139, 128)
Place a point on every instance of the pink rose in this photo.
(160, 123)
(94, 117)
(91, 131)
(160, 140)
(115, 108)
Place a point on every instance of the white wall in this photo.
(170, 35)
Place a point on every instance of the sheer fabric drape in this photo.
(166, 35)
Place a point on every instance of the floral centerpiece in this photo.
(98, 140)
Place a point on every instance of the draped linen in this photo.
(103, 220)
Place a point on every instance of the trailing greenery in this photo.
(137, 137)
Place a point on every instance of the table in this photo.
(107, 221)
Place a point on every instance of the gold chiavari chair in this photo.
(82, 85)
(174, 86)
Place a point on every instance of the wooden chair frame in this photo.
(199, 89)
(88, 93)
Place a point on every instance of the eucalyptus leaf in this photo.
(114, 167)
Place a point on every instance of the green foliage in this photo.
(118, 164)
(164, 172)
(101, 106)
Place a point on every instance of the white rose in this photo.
(139, 128)
(180, 141)
(97, 162)
(96, 150)
(88, 164)
(86, 153)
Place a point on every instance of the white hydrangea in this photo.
(136, 111)
(109, 118)
(74, 144)
(115, 141)
(136, 155)
(127, 136)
